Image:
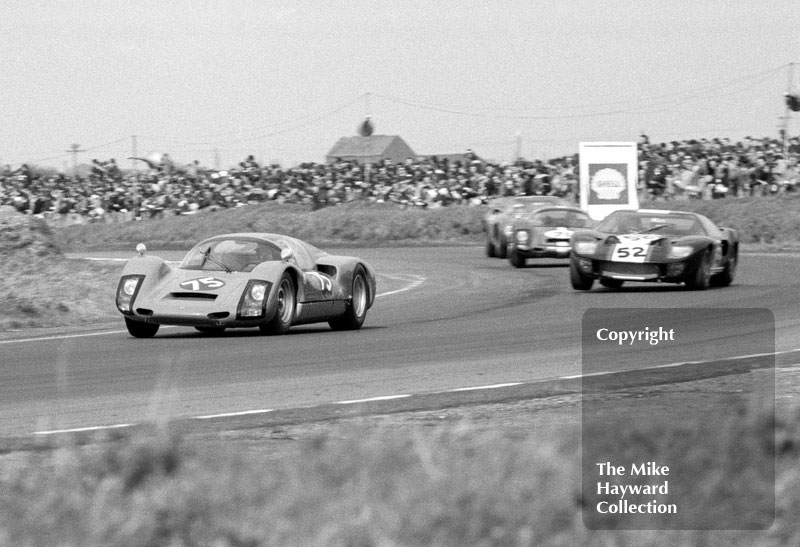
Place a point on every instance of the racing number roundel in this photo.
(202, 284)
(632, 248)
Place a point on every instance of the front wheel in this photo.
(490, 248)
(516, 260)
(502, 249)
(140, 329)
(579, 281)
(286, 302)
(725, 277)
(701, 278)
(353, 317)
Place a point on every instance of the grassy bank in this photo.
(773, 221)
(368, 485)
(358, 224)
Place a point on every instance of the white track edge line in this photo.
(476, 388)
(372, 399)
(232, 414)
(82, 429)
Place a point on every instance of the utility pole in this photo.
(74, 149)
(784, 120)
(134, 152)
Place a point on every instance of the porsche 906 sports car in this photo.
(498, 223)
(654, 245)
(268, 281)
(545, 233)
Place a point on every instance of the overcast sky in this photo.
(283, 80)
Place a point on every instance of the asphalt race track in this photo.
(446, 318)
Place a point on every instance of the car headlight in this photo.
(522, 236)
(127, 290)
(253, 303)
(680, 251)
(585, 247)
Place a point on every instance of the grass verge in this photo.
(361, 484)
(769, 222)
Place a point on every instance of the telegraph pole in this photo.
(74, 149)
(784, 120)
(134, 152)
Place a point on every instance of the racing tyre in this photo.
(356, 311)
(502, 249)
(490, 248)
(579, 281)
(139, 329)
(701, 278)
(516, 260)
(211, 330)
(725, 277)
(286, 297)
(611, 283)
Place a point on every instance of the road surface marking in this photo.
(415, 282)
(476, 388)
(82, 429)
(371, 399)
(230, 414)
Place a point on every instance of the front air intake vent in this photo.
(192, 296)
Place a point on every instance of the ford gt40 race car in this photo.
(545, 233)
(268, 281)
(654, 245)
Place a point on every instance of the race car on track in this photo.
(545, 233)
(654, 245)
(268, 281)
(498, 223)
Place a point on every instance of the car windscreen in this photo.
(238, 255)
(527, 207)
(556, 218)
(669, 224)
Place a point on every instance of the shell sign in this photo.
(609, 177)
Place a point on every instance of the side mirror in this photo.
(286, 254)
(141, 249)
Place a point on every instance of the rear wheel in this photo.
(140, 329)
(725, 277)
(579, 281)
(356, 311)
(702, 274)
(285, 307)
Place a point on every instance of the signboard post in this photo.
(609, 177)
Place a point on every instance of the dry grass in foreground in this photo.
(360, 485)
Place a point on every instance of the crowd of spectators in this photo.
(717, 168)
(701, 169)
